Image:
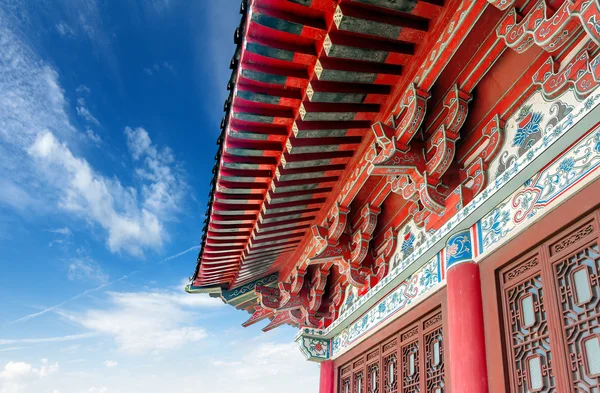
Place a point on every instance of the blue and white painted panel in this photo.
(565, 173)
(411, 289)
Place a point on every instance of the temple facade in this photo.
(414, 184)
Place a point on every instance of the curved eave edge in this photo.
(234, 65)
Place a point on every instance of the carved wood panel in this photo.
(434, 361)
(526, 328)
(411, 361)
(576, 281)
(551, 314)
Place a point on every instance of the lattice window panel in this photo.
(411, 377)
(555, 349)
(358, 382)
(345, 385)
(409, 362)
(526, 329)
(390, 373)
(434, 361)
(578, 290)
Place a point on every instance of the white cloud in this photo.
(139, 143)
(85, 113)
(264, 361)
(83, 89)
(47, 368)
(64, 29)
(31, 99)
(168, 66)
(37, 141)
(14, 370)
(258, 365)
(98, 199)
(147, 322)
(165, 187)
(97, 390)
(64, 236)
(65, 231)
(111, 363)
(15, 196)
(93, 137)
(15, 376)
(85, 269)
(155, 68)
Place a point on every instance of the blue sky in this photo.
(109, 112)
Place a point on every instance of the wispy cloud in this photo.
(83, 89)
(15, 196)
(36, 156)
(64, 236)
(165, 186)
(45, 340)
(155, 68)
(194, 248)
(65, 231)
(84, 192)
(85, 113)
(98, 288)
(61, 304)
(147, 322)
(85, 269)
(11, 349)
(64, 29)
(93, 137)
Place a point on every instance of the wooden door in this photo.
(411, 361)
(551, 317)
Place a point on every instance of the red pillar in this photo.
(466, 340)
(326, 384)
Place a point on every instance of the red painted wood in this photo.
(466, 341)
(327, 377)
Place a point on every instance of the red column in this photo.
(326, 384)
(466, 340)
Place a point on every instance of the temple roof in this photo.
(309, 77)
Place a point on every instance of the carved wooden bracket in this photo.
(482, 152)
(269, 298)
(580, 72)
(259, 314)
(384, 254)
(340, 253)
(407, 116)
(337, 221)
(417, 170)
(317, 288)
(336, 302)
(281, 318)
(329, 251)
(545, 28)
(294, 309)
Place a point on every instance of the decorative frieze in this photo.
(410, 290)
(545, 28)
(564, 174)
(539, 192)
